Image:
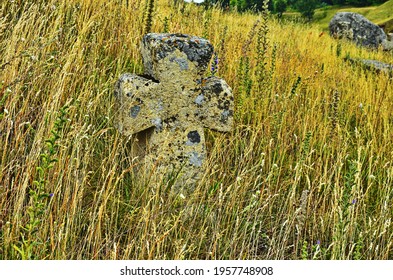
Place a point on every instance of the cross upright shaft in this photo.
(174, 105)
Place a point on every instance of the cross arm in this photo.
(138, 103)
(215, 104)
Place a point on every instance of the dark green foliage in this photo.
(280, 7)
(358, 2)
(255, 5)
(307, 8)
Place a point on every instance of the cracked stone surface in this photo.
(167, 112)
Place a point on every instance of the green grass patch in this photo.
(381, 15)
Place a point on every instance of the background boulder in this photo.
(357, 28)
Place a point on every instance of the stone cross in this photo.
(168, 108)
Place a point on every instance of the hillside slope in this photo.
(306, 172)
(381, 15)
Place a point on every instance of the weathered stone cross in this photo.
(168, 108)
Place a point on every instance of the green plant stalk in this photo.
(30, 233)
(149, 16)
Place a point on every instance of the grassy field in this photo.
(306, 173)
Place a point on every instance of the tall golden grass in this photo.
(307, 172)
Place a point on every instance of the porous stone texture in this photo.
(356, 28)
(387, 45)
(167, 109)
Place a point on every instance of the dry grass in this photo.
(306, 173)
